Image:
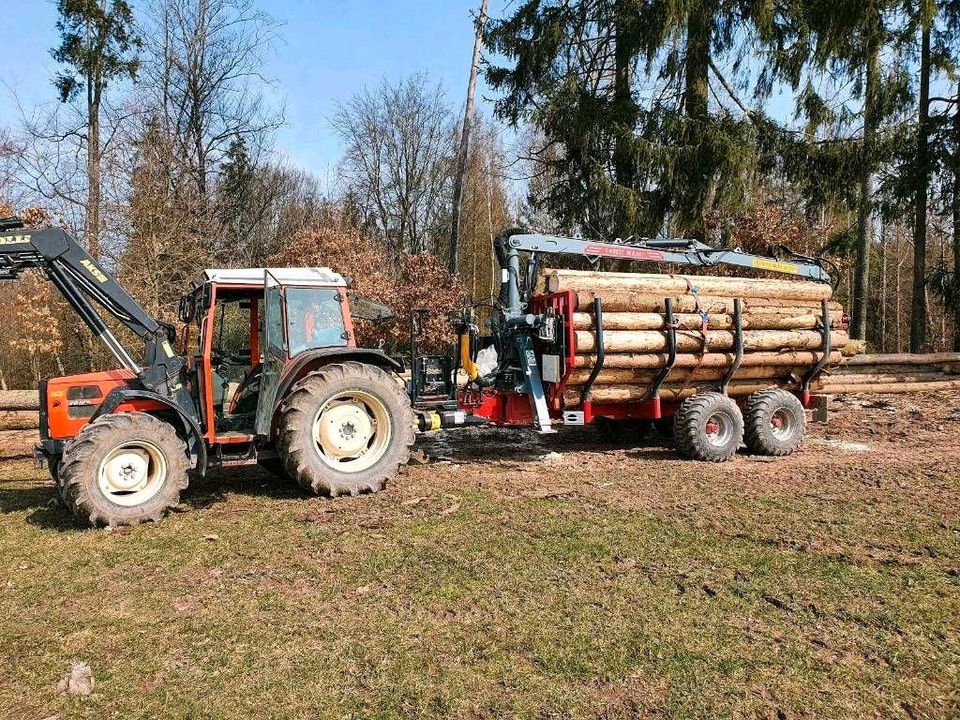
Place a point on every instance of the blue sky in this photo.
(328, 50)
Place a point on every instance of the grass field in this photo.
(620, 583)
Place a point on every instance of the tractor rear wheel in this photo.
(123, 469)
(775, 422)
(708, 426)
(345, 429)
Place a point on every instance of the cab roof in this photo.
(254, 277)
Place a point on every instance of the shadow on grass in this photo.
(44, 509)
(480, 446)
(41, 504)
(253, 481)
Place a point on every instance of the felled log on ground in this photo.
(667, 285)
(791, 358)
(19, 399)
(904, 359)
(19, 420)
(620, 300)
(844, 370)
(715, 321)
(693, 342)
(884, 388)
(17, 443)
(883, 378)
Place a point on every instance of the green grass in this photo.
(719, 605)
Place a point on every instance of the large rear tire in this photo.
(775, 422)
(708, 427)
(123, 469)
(345, 429)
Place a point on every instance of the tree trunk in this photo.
(918, 313)
(93, 167)
(955, 207)
(698, 175)
(464, 151)
(625, 110)
(861, 278)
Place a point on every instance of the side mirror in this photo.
(187, 309)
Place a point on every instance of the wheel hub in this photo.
(345, 430)
(718, 430)
(131, 474)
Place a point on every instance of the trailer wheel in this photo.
(775, 422)
(123, 469)
(345, 429)
(709, 427)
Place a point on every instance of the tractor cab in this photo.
(244, 328)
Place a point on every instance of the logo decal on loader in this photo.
(94, 270)
(14, 240)
(776, 266)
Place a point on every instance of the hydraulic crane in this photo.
(531, 335)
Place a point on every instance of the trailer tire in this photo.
(708, 427)
(123, 469)
(345, 429)
(775, 422)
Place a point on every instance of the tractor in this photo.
(264, 369)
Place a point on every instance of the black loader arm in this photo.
(80, 279)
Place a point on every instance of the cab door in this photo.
(274, 352)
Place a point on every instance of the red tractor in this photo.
(267, 371)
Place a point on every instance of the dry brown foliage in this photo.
(413, 281)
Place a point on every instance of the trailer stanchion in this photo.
(815, 371)
(737, 344)
(671, 328)
(601, 355)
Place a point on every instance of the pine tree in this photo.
(634, 153)
(98, 45)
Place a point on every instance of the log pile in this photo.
(892, 373)
(781, 322)
(19, 421)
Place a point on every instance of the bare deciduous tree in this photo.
(203, 71)
(398, 164)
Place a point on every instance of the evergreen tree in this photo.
(827, 49)
(633, 154)
(98, 44)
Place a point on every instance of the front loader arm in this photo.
(80, 279)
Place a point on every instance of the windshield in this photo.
(314, 319)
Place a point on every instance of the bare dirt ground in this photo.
(514, 575)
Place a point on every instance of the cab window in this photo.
(314, 319)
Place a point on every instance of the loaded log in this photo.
(666, 285)
(695, 342)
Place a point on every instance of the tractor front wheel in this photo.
(345, 429)
(123, 469)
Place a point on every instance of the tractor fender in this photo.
(191, 430)
(310, 360)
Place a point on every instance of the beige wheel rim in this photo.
(352, 431)
(132, 473)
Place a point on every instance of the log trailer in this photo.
(267, 370)
(533, 334)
